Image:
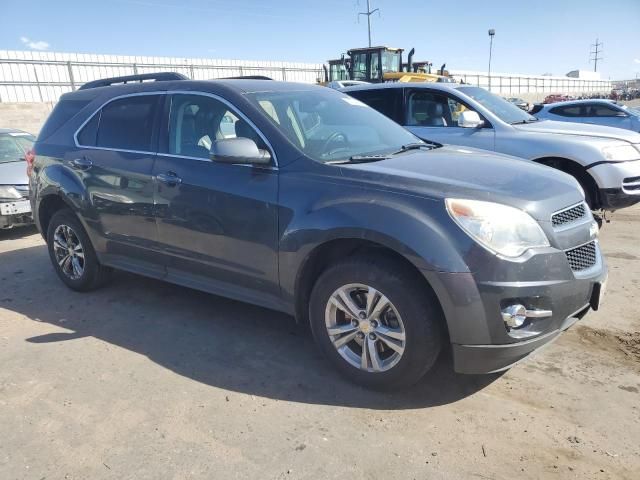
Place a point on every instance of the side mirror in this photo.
(238, 150)
(470, 119)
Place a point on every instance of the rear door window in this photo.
(387, 101)
(572, 111)
(127, 123)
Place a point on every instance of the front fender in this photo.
(417, 228)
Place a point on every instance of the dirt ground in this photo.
(146, 380)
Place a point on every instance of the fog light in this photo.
(514, 316)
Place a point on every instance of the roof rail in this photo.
(246, 77)
(158, 77)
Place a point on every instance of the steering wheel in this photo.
(335, 137)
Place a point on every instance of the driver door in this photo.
(217, 223)
(433, 116)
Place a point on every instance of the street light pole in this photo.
(492, 32)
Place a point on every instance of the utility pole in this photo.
(368, 13)
(492, 33)
(593, 54)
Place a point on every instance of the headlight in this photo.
(7, 191)
(621, 153)
(499, 228)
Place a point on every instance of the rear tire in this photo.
(403, 338)
(72, 254)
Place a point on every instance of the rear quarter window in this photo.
(61, 114)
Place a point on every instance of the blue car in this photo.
(599, 112)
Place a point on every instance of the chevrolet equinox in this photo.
(302, 199)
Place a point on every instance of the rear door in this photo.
(433, 116)
(217, 223)
(116, 151)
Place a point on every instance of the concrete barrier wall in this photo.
(24, 116)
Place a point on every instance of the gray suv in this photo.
(301, 199)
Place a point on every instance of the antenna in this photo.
(368, 13)
(593, 54)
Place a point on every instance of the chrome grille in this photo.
(583, 257)
(569, 215)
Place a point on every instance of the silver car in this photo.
(15, 147)
(598, 112)
(605, 160)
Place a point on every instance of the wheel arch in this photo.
(330, 251)
(577, 171)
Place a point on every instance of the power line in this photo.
(593, 54)
(368, 13)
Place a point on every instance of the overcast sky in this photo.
(532, 36)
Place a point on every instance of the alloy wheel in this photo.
(365, 328)
(68, 251)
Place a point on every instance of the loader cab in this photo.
(338, 70)
(371, 64)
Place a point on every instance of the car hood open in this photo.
(582, 129)
(461, 172)
(14, 173)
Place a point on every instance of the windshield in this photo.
(13, 146)
(327, 125)
(504, 110)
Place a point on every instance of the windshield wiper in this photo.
(418, 146)
(358, 159)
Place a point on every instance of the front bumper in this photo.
(15, 213)
(472, 305)
(618, 183)
(10, 221)
(617, 198)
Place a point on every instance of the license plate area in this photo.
(15, 208)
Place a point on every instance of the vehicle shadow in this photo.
(209, 339)
(17, 232)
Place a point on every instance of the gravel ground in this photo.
(146, 380)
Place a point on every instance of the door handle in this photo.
(170, 178)
(82, 163)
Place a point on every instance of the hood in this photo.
(457, 172)
(581, 129)
(14, 173)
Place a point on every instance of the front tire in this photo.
(376, 322)
(72, 253)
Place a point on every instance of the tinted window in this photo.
(89, 132)
(127, 123)
(9, 150)
(63, 111)
(196, 121)
(596, 110)
(387, 101)
(573, 111)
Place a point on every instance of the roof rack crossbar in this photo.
(158, 77)
(245, 77)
